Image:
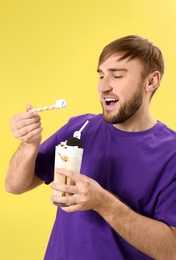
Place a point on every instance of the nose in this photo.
(104, 84)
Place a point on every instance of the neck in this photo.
(138, 122)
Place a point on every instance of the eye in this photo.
(117, 76)
(101, 76)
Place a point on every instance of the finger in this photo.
(28, 107)
(71, 208)
(26, 125)
(71, 174)
(72, 189)
(35, 133)
(24, 115)
(22, 125)
(66, 200)
(25, 130)
(19, 123)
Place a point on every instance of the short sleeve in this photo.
(166, 205)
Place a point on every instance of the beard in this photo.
(127, 110)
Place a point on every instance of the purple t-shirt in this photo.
(138, 167)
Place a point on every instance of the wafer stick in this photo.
(60, 103)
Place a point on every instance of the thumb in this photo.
(28, 107)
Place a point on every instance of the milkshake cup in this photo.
(68, 155)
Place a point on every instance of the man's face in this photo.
(120, 88)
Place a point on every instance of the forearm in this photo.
(20, 174)
(149, 236)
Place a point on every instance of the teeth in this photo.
(110, 99)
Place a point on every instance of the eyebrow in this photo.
(112, 70)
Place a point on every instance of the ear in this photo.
(153, 81)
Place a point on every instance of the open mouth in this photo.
(110, 101)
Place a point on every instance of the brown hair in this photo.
(136, 47)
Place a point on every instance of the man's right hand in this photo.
(27, 126)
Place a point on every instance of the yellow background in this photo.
(49, 50)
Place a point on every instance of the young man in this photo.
(123, 205)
